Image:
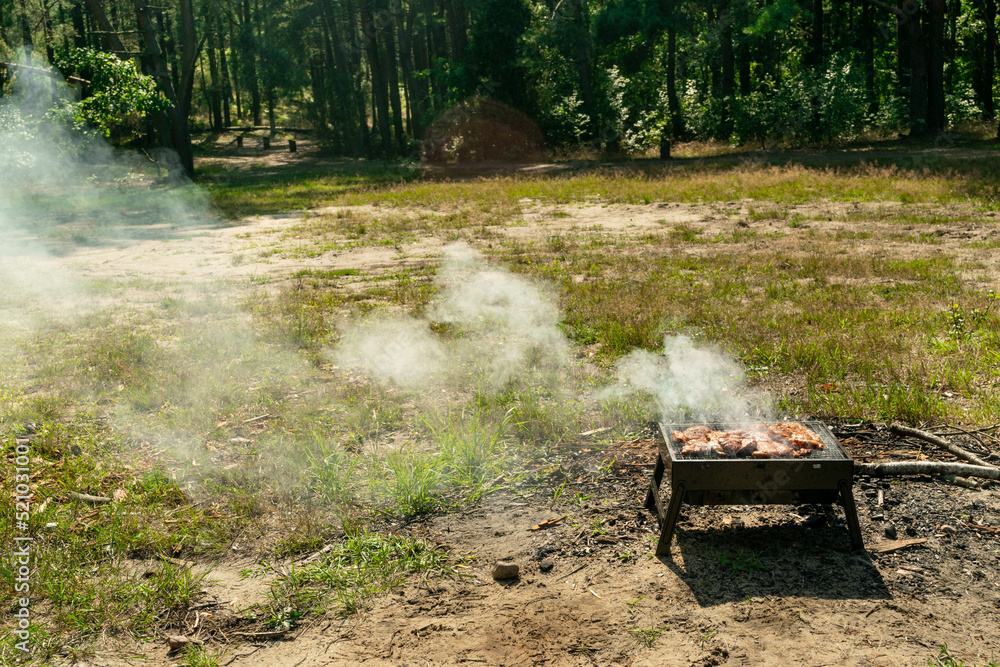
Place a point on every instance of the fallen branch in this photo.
(87, 498)
(901, 429)
(277, 634)
(256, 419)
(972, 434)
(38, 71)
(548, 522)
(989, 529)
(206, 605)
(896, 545)
(961, 481)
(897, 468)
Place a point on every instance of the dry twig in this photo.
(901, 429)
(87, 498)
(926, 468)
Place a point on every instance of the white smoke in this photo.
(688, 383)
(403, 350)
(512, 323)
(33, 283)
(62, 191)
(505, 327)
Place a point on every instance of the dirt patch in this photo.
(247, 254)
(782, 588)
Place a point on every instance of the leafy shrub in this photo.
(831, 105)
(114, 102)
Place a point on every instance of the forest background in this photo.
(371, 77)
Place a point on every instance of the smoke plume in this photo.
(688, 383)
(503, 327)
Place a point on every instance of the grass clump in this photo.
(352, 572)
(471, 447)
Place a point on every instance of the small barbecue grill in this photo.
(823, 477)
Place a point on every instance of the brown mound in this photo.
(480, 130)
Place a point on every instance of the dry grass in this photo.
(869, 320)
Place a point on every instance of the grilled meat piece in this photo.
(729, 441)
(770, 449)
(702, 449)
(699, 442)
(795, 434)
(695, 432)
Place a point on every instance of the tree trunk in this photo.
(227, 86)
(50, 52)
(358, 71)
(728, 72)
(935, 65)
(248, 54)
(390, 73)
(743, 58)
(918, 76)
(582, 57)
(318, 77)
(235, 76)
(79, 26)
(342, 96)
(458, 28)
(207, 94)
(437, 44)
(903, 52)
(215, 95)
(673, 103)
(180, 139)
(165, 31)
(271, 124)
(989, 110)
(110, 36)
(380, 93)
(868, 48)
(416, 94)
(26, 39)
(815, 58)
(189, 56)
(422, 51)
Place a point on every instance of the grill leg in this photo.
(851, 514)
(653, 502)
(667, 527)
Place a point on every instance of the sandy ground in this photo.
(606, 600)
(238, 253)
(806, 599)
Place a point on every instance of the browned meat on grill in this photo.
(769, 449)
(701, 449)
(750, 444)
(735, 443)
(762, 441)
(795, 434)
(695, 432)
(699, 442)
(729, 441)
